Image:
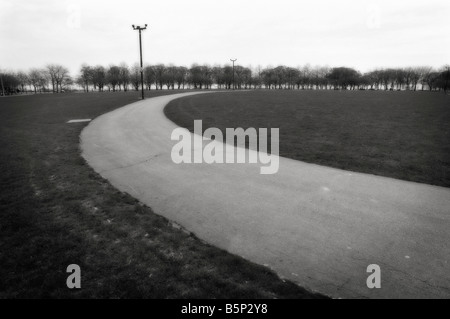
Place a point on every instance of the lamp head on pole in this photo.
(138, 27)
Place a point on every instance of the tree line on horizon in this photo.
(56, 78)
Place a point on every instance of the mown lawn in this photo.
(403, 135)
(55, 211)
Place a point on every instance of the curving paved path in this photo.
(317, 226)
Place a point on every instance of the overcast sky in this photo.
(357, 33)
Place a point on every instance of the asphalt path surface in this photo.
(317, 226)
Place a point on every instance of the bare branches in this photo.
(56, 78)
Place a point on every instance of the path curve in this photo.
(317, 226)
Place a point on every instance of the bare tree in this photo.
(63, 78)
(58, 75)
(124, 76)
(414, 77)
(169, 76)
(200, 76)
(344, 78)
(52, 70)
(160, 71)
(113, 77)
(423, 72)
(23, 80)
(86, 76)
(150, 77)
(37, 79)
(99, 77)
(180, 76)
(9, 83)
(135, 76)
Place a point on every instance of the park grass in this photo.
(403, 135)
(55, 211)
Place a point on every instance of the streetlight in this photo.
(233, 60)
(140, 49)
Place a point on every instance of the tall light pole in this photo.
(233, 60)
(140, 49)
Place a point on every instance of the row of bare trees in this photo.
(408, 78)
(159, 77)
(56, 78)
(281, 77)
(53, 78)
(347, 78)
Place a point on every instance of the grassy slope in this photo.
(403, 135)
(55, 211)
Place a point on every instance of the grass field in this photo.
(403, 135)
(55, 211)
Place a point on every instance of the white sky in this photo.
(357, 33)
